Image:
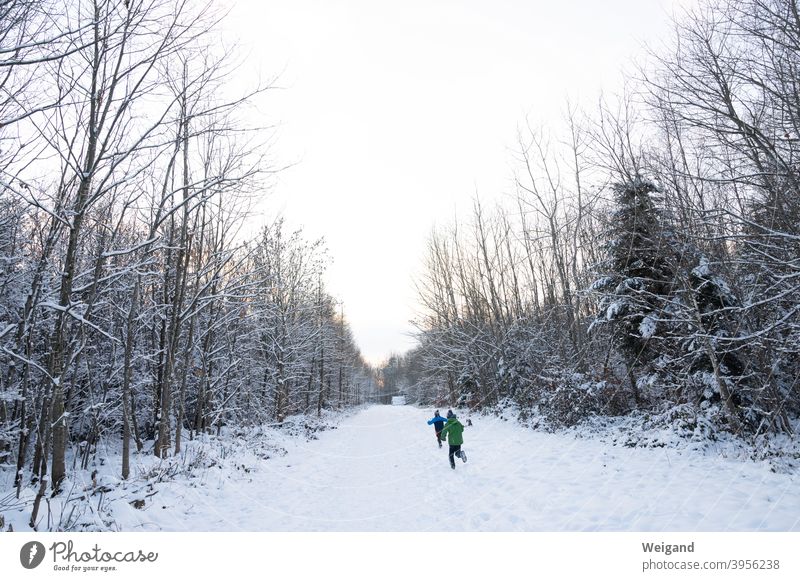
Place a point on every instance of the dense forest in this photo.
(138, 304)
(649, 259)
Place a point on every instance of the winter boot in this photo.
(463, 456)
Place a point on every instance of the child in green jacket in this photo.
(454, 431)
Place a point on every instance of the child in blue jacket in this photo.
(438, 423)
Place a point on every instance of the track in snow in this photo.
(382, 471)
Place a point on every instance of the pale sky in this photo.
(397, 113)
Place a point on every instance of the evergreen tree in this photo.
(639, 276)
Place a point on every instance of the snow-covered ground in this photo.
(382, 471)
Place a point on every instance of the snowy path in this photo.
(381, 471)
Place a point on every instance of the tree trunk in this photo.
(130, 335)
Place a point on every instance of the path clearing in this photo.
(382, 471)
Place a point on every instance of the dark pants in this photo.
(454, 451)
(439, 433)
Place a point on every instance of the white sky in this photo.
(399, 112)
